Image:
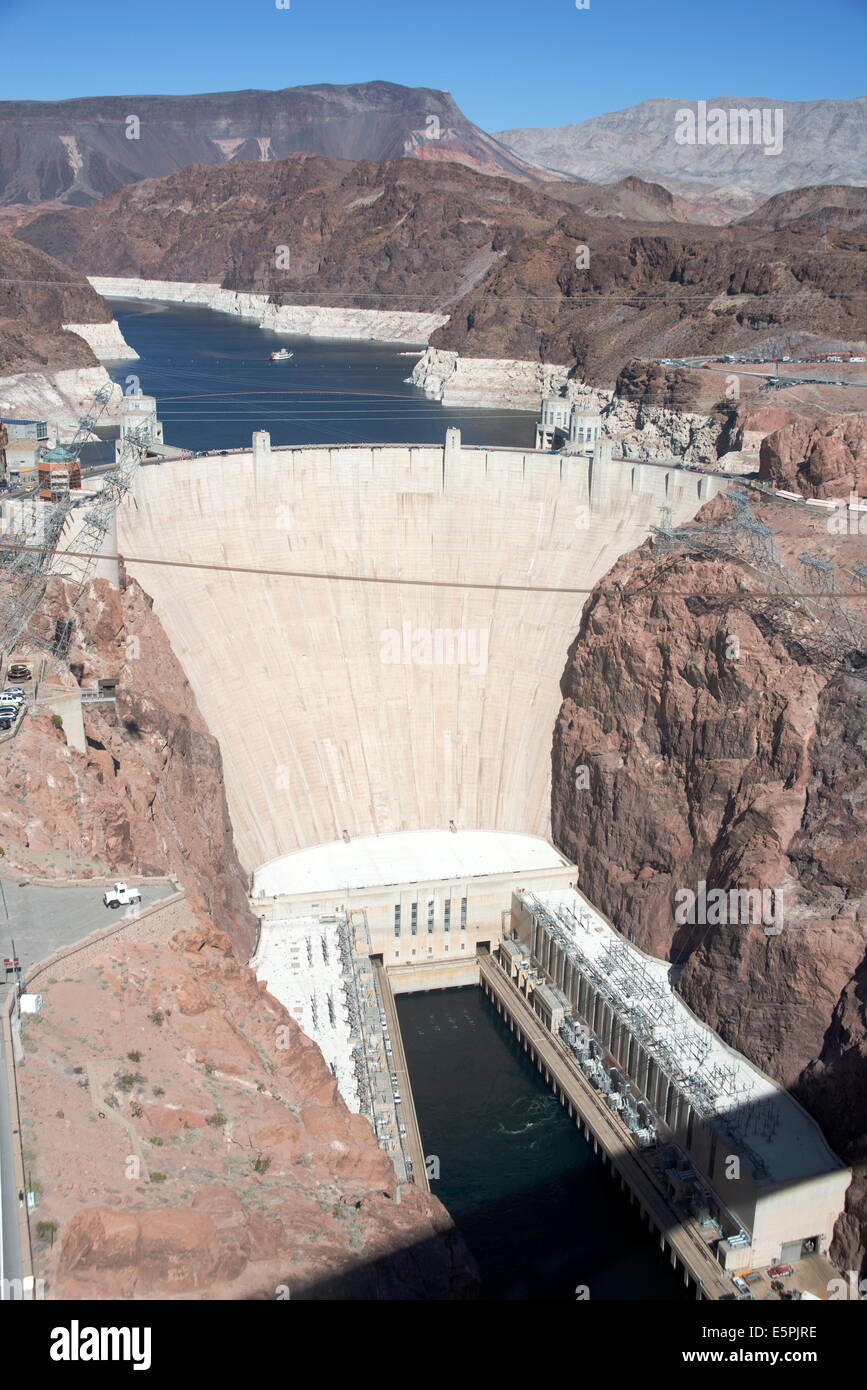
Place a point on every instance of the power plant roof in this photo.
(407, 856)
(759, 1114)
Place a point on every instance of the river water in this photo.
(537, 1209)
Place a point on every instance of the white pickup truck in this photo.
(121, 896)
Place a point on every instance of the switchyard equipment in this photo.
(650, 1009)
(664, 1072)
(32, 566)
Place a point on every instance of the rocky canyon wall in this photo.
(147, 794)
(705, 735)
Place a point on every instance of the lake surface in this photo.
(215, 386)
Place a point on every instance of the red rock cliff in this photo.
(718, 745)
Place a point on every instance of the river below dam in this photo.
(211, 376)
(537, 1209)
(539, 1212)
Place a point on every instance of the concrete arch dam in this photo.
(373, 707)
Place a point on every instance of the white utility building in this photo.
(752, 1160)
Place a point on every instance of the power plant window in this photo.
(447, 914)
(397, 919)
(414, 919)
(463, 914)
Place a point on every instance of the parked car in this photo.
(742, 1286)
(780, 1271)
(5, 723)
(8, 711)
(120, 896)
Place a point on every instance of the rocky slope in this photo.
(823, 142)
(213, 1155)
(307, 230)
(147, 796)
(38, 296)
(653, 291)
(836, 205)
(73, 152)
(521, 276)
(720, 744)
(632, 198)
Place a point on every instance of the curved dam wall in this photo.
(389, 704)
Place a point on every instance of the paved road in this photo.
(411, 1141)
(44, 919)
(10, 1254)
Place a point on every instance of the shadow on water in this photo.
(537, 1209)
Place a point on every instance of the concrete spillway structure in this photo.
(418, 682)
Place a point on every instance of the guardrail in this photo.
(96, 938)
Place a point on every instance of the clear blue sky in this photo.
(506, 62)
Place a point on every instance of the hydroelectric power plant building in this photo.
(748, 1163)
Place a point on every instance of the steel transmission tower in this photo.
(34, 565)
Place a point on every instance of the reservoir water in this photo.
(215, 386)
(537, 1209)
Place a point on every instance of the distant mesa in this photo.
(73, 152)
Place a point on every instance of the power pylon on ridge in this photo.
(33, 565)
(742, 536)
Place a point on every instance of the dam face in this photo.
(426, 696)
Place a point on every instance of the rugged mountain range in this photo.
(74, 151)
(823, 142)
(520, 273)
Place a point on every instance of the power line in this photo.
(722, 596)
